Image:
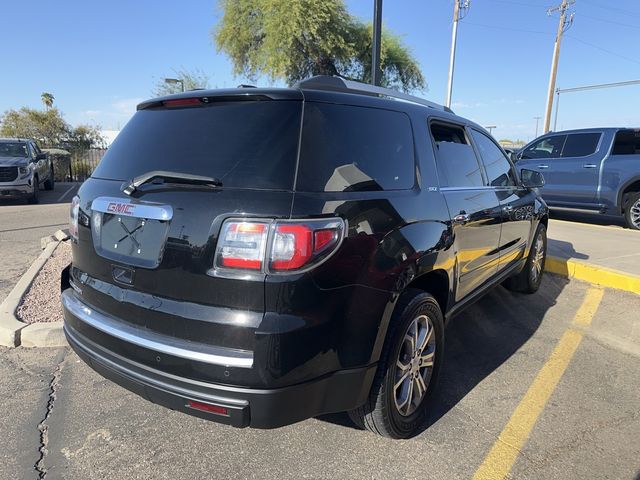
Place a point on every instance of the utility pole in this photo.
(537, 119)
(563, 25)
(376, 71)
(460, 8)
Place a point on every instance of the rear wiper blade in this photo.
(172, 177)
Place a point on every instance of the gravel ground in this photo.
(42, 301)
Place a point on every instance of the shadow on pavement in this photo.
(562, 249)
(480, 340)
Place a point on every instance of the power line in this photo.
(609, 8)
(511, 29)
(610, 21)
(610, 52)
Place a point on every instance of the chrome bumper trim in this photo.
(147, 339)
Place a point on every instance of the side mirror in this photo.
(531, 178)
(41, 156)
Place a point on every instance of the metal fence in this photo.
(80, 165)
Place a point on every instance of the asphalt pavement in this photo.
(22, 226)
(72, 424)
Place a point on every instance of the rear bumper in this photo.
(259, 408)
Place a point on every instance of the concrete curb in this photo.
(588, 272)
(11, 328)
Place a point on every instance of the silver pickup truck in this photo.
(24, 168)
(595, 169)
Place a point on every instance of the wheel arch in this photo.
(630, 186)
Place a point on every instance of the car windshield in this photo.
(13, 149)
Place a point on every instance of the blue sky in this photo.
(101, 58)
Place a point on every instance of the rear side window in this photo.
(245, 144)
(580, 144)
(347, 148)
(627, 142)
(498, 168)
(456, 161)
(549, 147)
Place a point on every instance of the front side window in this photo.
(456, 161)
(548, 147)
(499, 171)
(581, 144)
(347, 148)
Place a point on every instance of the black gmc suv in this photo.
(261, 256)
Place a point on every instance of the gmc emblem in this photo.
(121, 208)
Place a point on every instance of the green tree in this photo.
(47, 100)
(294, 39)
(192, 79)
(49, 129)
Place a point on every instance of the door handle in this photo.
(461, 218)
(542, 166)
(589, 165)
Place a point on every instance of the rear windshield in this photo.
(245, 144)
(348, 148)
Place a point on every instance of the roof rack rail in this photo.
(339, 84)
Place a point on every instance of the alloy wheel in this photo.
(538, 258)
(635, 214)
(414, 365)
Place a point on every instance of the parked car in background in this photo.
(595, 169)
(261, 256)
(23, 169)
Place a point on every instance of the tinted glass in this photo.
(498, 168)
(347, 148)
(13, 149)
(455, 159)
(549, 147)
(627, 142)
(580, 144)
(245, 144)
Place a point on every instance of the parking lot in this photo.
(587, 428)
(22, 226)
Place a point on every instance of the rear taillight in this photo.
(277, 246)
(73, 217)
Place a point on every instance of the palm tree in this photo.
(47, 99)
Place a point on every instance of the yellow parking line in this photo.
(499, 461)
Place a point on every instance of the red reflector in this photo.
(207, 407)
(322, 238)
(241, 263)
(181, 102)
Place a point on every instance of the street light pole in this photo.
(537, 119)
(174, 81)
(376, 71)
(459, 10)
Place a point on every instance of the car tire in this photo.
(393, 409)
(529, 279)
(34, 197)
(49, 184)
(632, 212)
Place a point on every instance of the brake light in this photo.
(73, 217)
(181, 102)
(277, 246)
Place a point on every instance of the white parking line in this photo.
(66, 193)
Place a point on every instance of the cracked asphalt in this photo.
(59, 419)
